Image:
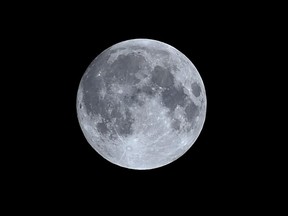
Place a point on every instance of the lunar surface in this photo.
(141, 104)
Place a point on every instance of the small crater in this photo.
(128, 148)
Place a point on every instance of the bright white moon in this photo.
(141, 104)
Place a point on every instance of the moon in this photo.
(141, 104)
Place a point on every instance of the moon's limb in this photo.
(141, 104)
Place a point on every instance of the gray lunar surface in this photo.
(141, 104)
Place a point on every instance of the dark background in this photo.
(55, 45)
(213, 160)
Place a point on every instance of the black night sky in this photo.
(59, 47)
(213, 156)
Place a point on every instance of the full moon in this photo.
(141, 104)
